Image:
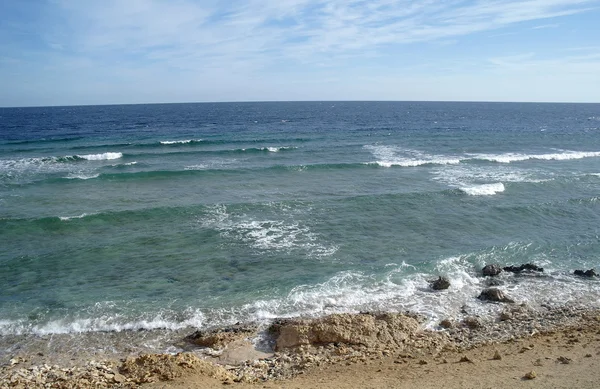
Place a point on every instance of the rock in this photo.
(221, 337)
(163, 367)
(491, 270)
(364, 329)
(119, 378)
(587, 273)
(531, 375)
(494, 294)
(564, 360)
(447, 323)
(466, 359)
(527, 267)
(440, 284)
(497, 356)
(472, 322)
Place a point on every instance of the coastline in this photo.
(559, 345)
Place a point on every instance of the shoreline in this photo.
(309, 350)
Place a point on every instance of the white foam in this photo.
(268, 234)
(66, 218)
(173, 142)
(101, 157)
(515, 157)
(388, 156)
(105, 323)
(484, 190)
(80, 176)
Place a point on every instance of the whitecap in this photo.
(180, 142)
(516, 157)
(101, 157)
(483, 190)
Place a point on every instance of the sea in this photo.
(166, 218)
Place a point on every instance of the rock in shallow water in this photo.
(491, 270)
(494, 294)
(587, 273)
(440, 284)
(527, 267)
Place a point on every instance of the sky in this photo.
(77, 52)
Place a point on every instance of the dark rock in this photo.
(440, 284)
(491, 270)
(494, 294)
(587, 273)
(447, 323)
(527, 267)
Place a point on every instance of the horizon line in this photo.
(300, 101)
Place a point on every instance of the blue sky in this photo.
(63, 52)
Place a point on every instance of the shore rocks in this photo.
(494, 294)
(527, 267)
(164, 367)
(221, 337)
(364, 329)
(440, 284)
(587, 273)
(491, 270)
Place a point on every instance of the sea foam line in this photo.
(101, 157)
(483, 190)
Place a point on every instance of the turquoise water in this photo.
(169, 216)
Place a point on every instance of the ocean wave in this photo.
(67, 218)
(388, 156)
(106, 322)
(516, 157)
(81, 176)
(101, 157)
(484, 189)
(180, 142)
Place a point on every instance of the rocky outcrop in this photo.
(165, 367)
(527, 267)
(221, 337)
(370, 330)
(491, 270)
(494, 294)
(587, 273)
(440, 284)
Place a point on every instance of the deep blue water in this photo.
(152, 216)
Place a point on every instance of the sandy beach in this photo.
(557, 348)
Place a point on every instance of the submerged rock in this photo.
(587, 273)
(491, 270)
(494, 294)
(440, 284)
(527, 267)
